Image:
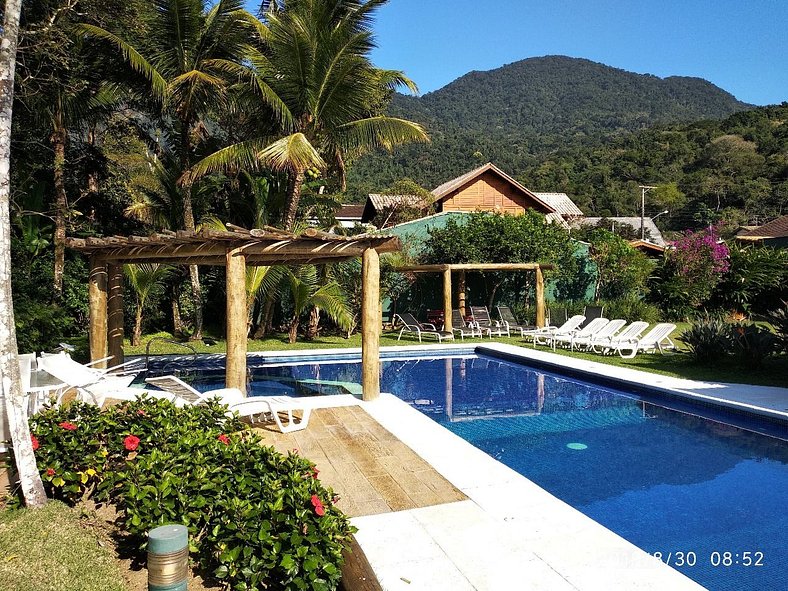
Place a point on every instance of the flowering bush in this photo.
(689, 272)
(256, 518)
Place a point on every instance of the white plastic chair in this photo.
(237, 402)
(657, 339)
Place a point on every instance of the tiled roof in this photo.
(775, 229)
(442, 190)
(561, 203)
(383, 201)
(350, 211)
(648, 224)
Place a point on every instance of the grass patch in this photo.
(49, 550)
(773, 372)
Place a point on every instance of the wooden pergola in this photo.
(461, 268)
(234, 249)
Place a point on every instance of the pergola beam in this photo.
(235, 249)
(446, 269)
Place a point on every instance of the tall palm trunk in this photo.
(314, 323)
(136, 336)
(177, 322)
(292, 330)
(294, 184)
(10, 383)
(188, 223)
(58, 140)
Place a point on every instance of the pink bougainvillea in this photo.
(698, 260)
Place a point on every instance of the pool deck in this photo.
(492, 529)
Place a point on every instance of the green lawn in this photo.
(49, 550)
(774, 371)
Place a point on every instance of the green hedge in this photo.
(257, 519)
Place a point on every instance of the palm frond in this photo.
(293, 152)
(379, 132)
(331, 299)
(132, 56)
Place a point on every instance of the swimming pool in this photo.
(697, 485)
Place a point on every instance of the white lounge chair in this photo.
(548, 332)
(92, 385)
(587, 331)
(601, 344)
(410, 324)
(510, 322)
(256, 406)
(657, 339)
(482, 320)
(604, 333)
(459, 326)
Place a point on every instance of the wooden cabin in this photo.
(487, 188)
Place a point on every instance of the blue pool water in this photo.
(668, 480)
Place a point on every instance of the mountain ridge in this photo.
(516, 114)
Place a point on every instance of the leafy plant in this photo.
(752, 344)
(631, 309)
(708, 339)
(256, 518)
(779, 320)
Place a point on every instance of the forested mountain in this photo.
(595, 132)
(561, 95)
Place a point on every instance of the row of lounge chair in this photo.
(94, 385)
(590, 333)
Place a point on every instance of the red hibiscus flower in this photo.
(141, 412)
(131, 442)
(224, 439)
(68, 426)
(50, 471)
(318, 505)
(34, 441)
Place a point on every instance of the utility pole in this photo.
(643, 190)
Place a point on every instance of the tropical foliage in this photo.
(271, 523)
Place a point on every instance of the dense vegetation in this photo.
(256, 518)
(594, 132)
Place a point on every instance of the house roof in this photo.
(556, 218)
(383, 201)
(443, 190)
(775, 229)
(350, 211)
(648, 224)
(561, 203)
(646, 245)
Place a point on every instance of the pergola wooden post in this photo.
(97, 322)
(461, 268)
(461, 292)
(370, 324)
(235, 249)
(115, 313)
(237, 319)
(447, 300)
(539, 293)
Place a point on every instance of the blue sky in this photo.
(739, 45)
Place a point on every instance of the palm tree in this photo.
(191, 47)
(307, 291)
(315, 79)
(144, 279)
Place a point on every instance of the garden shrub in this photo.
(779, 320)
(752, 344)
(257, 518)
(708, 339)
